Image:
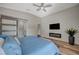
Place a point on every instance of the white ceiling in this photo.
(28, 7)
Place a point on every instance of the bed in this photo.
(30, 45)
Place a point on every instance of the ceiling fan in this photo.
(42, 6)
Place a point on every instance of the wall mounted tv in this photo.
(54, 26)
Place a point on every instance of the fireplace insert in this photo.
(57, 35)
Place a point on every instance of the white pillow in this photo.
(17, 40)
(2, 51)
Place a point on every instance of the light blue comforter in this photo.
(33, 45)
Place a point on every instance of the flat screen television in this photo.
(54, 26)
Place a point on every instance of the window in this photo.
(8, 25)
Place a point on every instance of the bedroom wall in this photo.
(31, 20)
(67, 18)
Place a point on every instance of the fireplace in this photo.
(57, 35)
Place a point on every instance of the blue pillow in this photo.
(12, 49)
(10, 46)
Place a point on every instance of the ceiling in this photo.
(28, 7)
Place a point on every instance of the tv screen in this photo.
(54, 26)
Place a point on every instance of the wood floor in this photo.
(65, 48)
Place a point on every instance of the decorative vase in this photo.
(71, 40)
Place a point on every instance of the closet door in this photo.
(9, 26)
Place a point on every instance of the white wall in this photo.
(67, 18)
(31, 23)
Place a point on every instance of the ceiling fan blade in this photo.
(44, 9)
(36, 5)
(48, 6)
(38, 9)
(42, 4)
